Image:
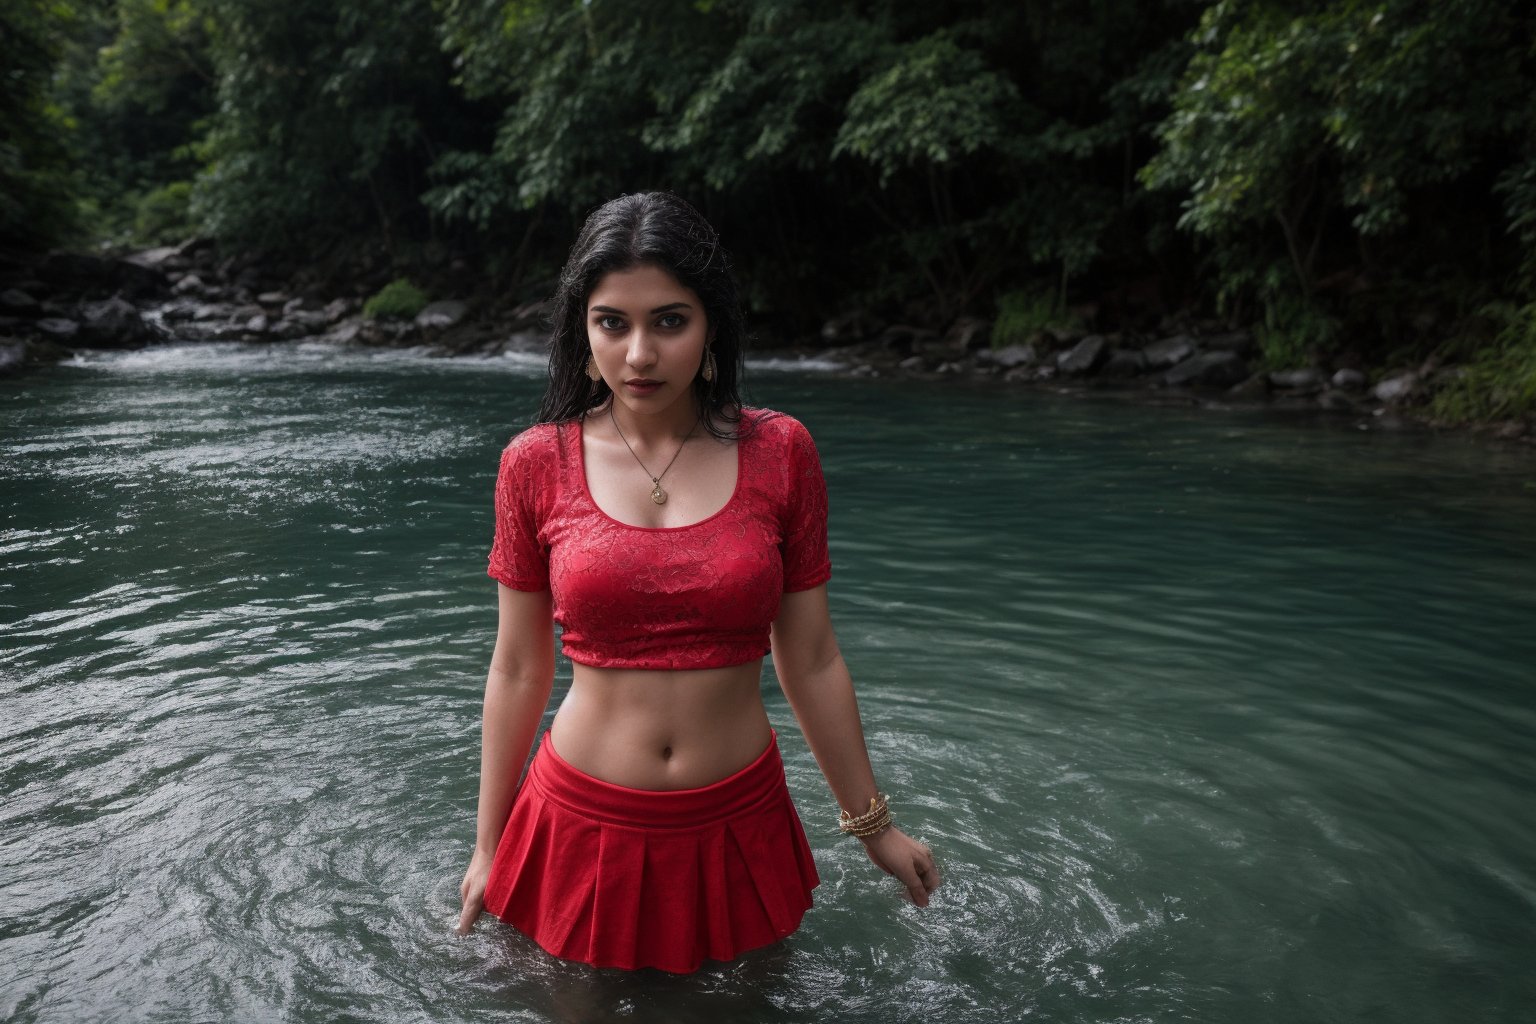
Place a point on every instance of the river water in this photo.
(1210, 717)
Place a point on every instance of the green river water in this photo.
(1209, 716)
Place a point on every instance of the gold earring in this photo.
(592, 371)
(708, 370)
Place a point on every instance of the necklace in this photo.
(658, 495)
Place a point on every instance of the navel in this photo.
(666, 753)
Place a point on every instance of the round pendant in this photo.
(658, 495)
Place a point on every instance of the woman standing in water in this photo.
(672, 533)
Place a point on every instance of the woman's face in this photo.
(648, 332)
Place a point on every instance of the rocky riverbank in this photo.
(70, 301)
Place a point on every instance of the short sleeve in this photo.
(518, 558)
(807, 563)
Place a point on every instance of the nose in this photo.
(642, 349)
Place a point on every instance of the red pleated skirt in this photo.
(619, 877)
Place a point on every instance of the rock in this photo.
(442, 314)
(531, 315)
(913, 364)
(13, 354)
(1348, 380)
(1240, 342)
(1306, 379)
(1397, 388)
(113, 323)
(1255, 386)
(969, 334)
(165, 257)
(204, 311)
(336, 309)
(1124, 362)
(1160, 355)
(190, 284)
(272, 298)
(345, 333)
(1217, 369)
(1084, 357)
(1335, 400)
(58, 328)
(1507, 430)
(903, 339)
(15, 300)
(195, 247)
(308, 321)
(525, 341)
(1010, 357)
(855, 325)
(257, 324)
(100, 275)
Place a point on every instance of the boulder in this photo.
(1009, 358)
(855, 325)
(346, 332)
(1255, 386)
(13, 354)
(1240, 342)
(1213, 369)
(442, 314)
(1084, 357)
(1335, 400)
(913, 364)
(113, 323)
(969, 334)
(531, 314)
(1348, 380)
(14, 300)
(525, 341)
(1124, 362)
(1395, 389)
(273, 298)
(903, 339)
(189, 284)
(1308, 378)
(100, 275)
(57, 328)
(1161, 355)
(165, 257)
(336, 309)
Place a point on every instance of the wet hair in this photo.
(645, 229)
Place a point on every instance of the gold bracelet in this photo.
(872, 822)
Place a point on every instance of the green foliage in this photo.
(163, 216)
(935, 103)
(1295, 333)
(400, 299)
(38, 184)
(1291, 115)
(1500, 381)
(1021, 315)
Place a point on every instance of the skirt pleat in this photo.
(619, 877)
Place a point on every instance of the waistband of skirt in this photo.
(559, 781)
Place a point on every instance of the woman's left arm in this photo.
(820, 691)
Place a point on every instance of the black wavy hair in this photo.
(646, 229)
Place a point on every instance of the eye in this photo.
(609, 322)
(672, 321)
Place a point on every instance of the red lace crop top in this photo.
(684, 597)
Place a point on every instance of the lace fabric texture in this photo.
(688, 597)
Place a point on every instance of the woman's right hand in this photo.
(472, 890)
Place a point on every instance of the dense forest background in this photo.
(1356, 181)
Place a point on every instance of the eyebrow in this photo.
(658, 309)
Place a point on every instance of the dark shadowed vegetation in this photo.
(1356, 181)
